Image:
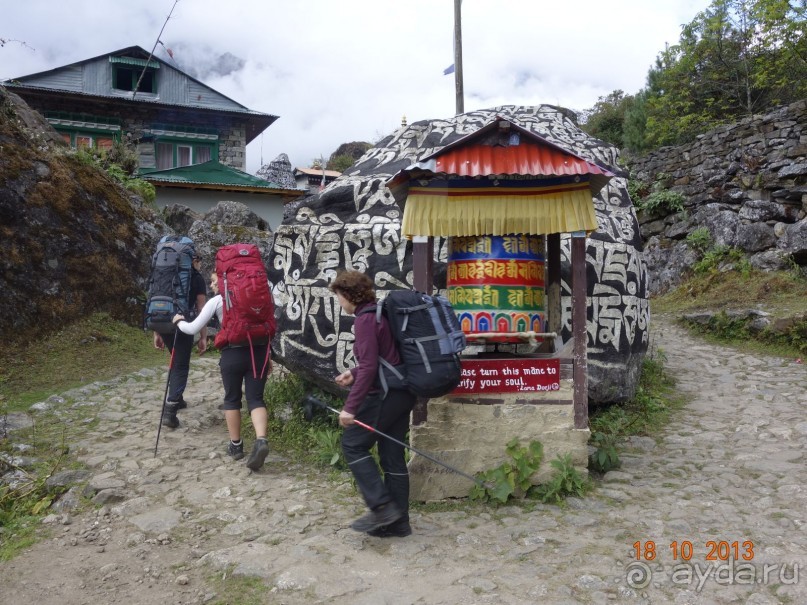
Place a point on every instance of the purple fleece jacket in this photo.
(371, 340)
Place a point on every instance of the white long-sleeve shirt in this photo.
(213, 305)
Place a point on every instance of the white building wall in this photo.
(267, 206)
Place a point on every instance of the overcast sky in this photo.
(349, 70)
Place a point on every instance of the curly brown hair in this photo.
(354, 286)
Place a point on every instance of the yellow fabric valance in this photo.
(468, 214)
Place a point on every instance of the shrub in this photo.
(605, 456)
(717, 255)
(512, 478)
(328, 450)
(142, 188)
(317, 440)
(666, 200)
(566, 481)
(637, 189)
(120, 163)
(700, 240)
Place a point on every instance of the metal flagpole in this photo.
(151, 54)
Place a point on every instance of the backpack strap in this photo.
(252, 357)
(376, 309)
(382, 363)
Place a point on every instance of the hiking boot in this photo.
(258, 454)
(169, 418)
(399, 529)
(386, 514)
(236, 452)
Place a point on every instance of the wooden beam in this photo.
(579, 331)
(423, 263)
(554, 311)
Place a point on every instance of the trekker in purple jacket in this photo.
(388, 499)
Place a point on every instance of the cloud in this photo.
(348, 71)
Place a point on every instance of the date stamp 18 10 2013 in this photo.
(684, 550)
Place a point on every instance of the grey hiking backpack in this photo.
(169, 284)
(429, 341)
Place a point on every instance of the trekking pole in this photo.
(165, 395)
(310, 399)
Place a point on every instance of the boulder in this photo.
(795, 241)
(769, 260)
(667, 261)
(235, 214)
(754, 237)
(762, 210)
(279, 172)
(72, 240)
(355, 224)
(179, 217)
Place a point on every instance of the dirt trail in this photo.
(729, 469)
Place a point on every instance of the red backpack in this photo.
(249, 311)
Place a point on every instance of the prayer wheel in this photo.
(496, 285)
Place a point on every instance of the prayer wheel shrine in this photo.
(503, 197)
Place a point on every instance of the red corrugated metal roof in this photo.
(526, 158)
(501, 147)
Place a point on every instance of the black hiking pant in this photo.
(181, 345)
(241, 367)
(390, 416)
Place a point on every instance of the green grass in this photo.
(316, 441)
(779, 294)
(648, 411)
(17, 532)
(22, 507)
(239, 590)
(96, 348)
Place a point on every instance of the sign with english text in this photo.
(517, 375)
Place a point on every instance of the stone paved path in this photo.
(729, 469)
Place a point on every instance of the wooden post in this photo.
(458, 56)
(423, 281)
(579, 329)
(553, 309)
(423, 263)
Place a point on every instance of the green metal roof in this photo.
(133, 61)
(209, 173)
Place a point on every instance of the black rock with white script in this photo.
(355, 224)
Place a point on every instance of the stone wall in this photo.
(746, 182)
(470, 433)
(232, 146)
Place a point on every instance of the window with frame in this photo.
(174, 154)
(126, 77)
(77, 140)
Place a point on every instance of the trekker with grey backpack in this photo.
(175, 286)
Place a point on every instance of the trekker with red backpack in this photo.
(244, 306)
